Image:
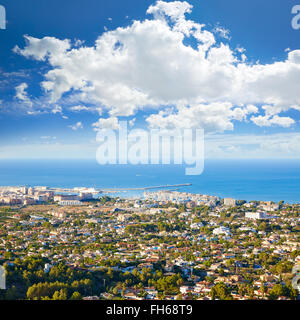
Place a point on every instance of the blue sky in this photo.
(34, 124)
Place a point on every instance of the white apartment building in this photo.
(222, 230)
(229, 202)
(255, 215)
(65, 197)
(70, 203)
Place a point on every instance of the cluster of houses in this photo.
(76, 236)
(38, 195)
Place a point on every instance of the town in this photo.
(165, 245)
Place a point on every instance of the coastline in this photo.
(262, 180)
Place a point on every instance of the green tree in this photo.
(220, 291)
(60, 295)
(76, 296)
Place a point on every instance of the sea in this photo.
(267, 180)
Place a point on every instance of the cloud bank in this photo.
(152, 64)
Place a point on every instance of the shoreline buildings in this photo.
(182, 197)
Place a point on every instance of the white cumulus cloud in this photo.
(22, 95)
(76, 126)
(149, 65)
(109, 123)
(267, 121)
